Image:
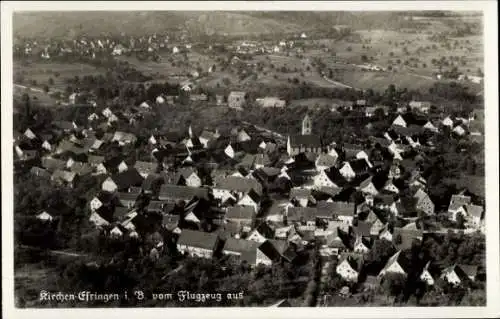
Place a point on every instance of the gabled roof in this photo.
(125, 179)
(475, 210)
(240, 212)
(363, 228)
(326, 160)
(142, 166)
(306, 213)
(52, 164)
(198, 239)
(177, 192)
(63, 175)
(239, 184)
(355, 260)
(247, 248)
(343, 208)
(300, 193)
(396, 258)
(305, 141)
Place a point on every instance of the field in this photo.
(42, 71)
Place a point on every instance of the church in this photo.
(306, 142)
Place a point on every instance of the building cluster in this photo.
(260, 200)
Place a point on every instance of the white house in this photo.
(322, 180)
(426, 276)
(95, 204)
(29, 134)
(229, 151)
(256, 236)
(116, 232)
(348, 269)
(399, 121)
(347, 172)
(44, 216)
(109, 185)
(447, 122)
(46, 145)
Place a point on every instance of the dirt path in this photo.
(56, 252)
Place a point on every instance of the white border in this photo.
(491, 128)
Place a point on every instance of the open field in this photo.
(42, 71)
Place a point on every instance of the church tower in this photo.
(306, 125)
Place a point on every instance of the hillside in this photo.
(68, 24)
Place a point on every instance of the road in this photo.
(29, 88)
(342, 85)
(55, 252)
(322, 282)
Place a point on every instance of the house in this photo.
(362, 245)
(127, 200)
(474, 216)
(457, 275)
(240, 214)
(344, 211)
(459, 130)
(347, 171)
(98, 220)
(174, 193)
(396, 264)
(244, 251)
(301, 195)
(303, 143)
(271, 102)
(399, 121)
(243, 136)
(256, 236)
(145, 168)
(116, 232)
(251, 199)
(390, 187)
(424, 202)
(206, 137)
(175, 50)
(331, 179)
(405, 237)
(349, 266)
(236, 99)
(426, 275)
(46, 146)
(240, 186)
(197, 243)
(457, 206)
(367, 187)
(325, 161)
(44, 216)
(370, 111)
(307, 215)
(431, 127)
(124, 138)
(187, 176)
(122, 181)
(62, 177)
(447, 121)
(422, 106)
(171, 222)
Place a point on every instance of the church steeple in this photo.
(306, 125)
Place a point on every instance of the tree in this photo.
(51, 81)
(394, 283)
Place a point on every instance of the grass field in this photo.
(42, 71)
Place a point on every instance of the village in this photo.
(359, 210)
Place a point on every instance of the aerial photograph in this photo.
(248, 159)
